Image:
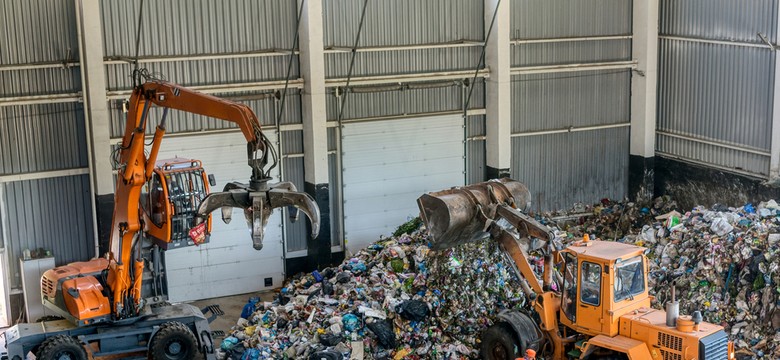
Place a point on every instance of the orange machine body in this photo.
(159, 202)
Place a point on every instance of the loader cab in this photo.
(601, 282)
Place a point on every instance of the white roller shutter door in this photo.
(228, 264)
(388, 164)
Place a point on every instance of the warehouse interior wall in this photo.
(718, 114)
(555, 89)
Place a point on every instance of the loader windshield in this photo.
(629, 279)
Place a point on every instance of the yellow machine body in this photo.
(601, 302)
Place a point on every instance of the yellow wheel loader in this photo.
(592, 300)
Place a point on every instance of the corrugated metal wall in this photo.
(714, 99)
(580, 166)
(53, 213)
(458, 23)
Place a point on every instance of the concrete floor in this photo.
(232, 306)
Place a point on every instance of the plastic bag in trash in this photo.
(383, 331)
(414, 310)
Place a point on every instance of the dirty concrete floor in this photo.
(232, 306)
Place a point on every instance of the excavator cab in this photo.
(170, 202)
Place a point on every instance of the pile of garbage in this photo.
(397, 299)
(723, 260)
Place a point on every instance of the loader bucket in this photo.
(462, 214)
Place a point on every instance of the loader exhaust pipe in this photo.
(672, 309)
(463, 214)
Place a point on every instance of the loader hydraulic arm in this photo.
(135, 168)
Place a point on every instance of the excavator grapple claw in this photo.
(258, 203)
(462, 214)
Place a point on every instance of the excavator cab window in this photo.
(570, 286)
(590, 284)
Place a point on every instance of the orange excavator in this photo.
(118, 303)
(590, 301)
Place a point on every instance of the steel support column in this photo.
(90, 30)
(315, 130)
(497, 89)
(644, 84)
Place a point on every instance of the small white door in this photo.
(388, 164)
(228, 264)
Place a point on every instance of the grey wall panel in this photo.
(719, 19)
(296, 232)
(402, 62)
(405, 100)
(40, 81)
(402, 22)
(556, 101)
(571, 52)
(37, 31)
(561, 169)
(186, 27)
(265, 109)
(475, 170)
(336, 232)
(332, 139)
(475, 149)
(54, 214)
(716, 92)
(541, 19)
(206, 72)
(292, 142)
(475, 125)
(740, 161)
(42, 137)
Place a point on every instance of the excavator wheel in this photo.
(174, 341)
(61, 347)
(498, 343)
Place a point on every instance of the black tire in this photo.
(498, 343)
(174, 341)
(61, 347)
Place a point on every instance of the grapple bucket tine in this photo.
(258, 204)
(459, 215)
(301, 201)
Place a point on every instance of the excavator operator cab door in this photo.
(170, 201)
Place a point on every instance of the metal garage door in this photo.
(228, 265)
(388, 164)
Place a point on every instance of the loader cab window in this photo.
(570, 286)
(590, 284)
(629, 278)
(153, 200)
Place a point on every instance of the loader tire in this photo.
(61, 347)
(174, 341)
(498, 343)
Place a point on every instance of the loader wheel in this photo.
(498, 344)
(61, 347)
(174, 341)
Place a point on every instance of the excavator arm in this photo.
(258, 198)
